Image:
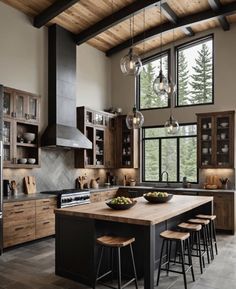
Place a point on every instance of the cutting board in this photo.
(212, 182)
(30, 184)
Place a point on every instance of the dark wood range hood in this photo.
(61, 130)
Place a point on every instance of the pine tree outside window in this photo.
(151, 67)
(195, 72)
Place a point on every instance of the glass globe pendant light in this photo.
(172, 126)
(134, 119)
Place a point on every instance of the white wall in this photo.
(93, 78)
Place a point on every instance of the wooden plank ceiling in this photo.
(86, 13)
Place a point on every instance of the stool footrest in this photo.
(105, 274)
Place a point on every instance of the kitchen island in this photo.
(78, 227)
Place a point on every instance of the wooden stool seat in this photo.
(173, 235)
(113, 241)
(190, 227)
(199, 221)
(207, 217)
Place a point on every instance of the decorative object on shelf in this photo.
(131, 63)
(13, 187)
(29, 137)
(31, 161)
(160, 84)
(22, 161)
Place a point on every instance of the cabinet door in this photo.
(33, 108)
(109, 148)
(99, 147)
(224, 211)
(20, 105)
(8, 133)
(8, 99)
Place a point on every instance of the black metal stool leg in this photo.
(182, 261)
(206, 248)
(199, 250)
(167, 257)
(134, 269)
(160, 262)
(190, 259)
(214, 236)
(209, 234)
(119, 268)
(98, 268)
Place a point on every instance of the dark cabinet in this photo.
(216, 140)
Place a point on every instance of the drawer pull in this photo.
(45, 223)
(19, 212)
(18, 205)
(19, 228)
(46, 208)
(46, 201)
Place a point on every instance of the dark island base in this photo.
(77, 252)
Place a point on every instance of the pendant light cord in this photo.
(161, 29)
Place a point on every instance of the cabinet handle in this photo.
(19, 228)
(19, 212)
(46, 208)
(46, 201)
(18, 205)
(45, 223)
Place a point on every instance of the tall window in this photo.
(175, 154)
(151, 68)
(195, 72)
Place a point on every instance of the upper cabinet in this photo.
(127, 145)
(21, 105)
(216, 140)
(99, 128)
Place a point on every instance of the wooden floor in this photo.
(32, 267)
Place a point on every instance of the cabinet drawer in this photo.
(45, 212)
(45, 228)
(49, 201)
(18, 234)
(17, 216)
(22, 205)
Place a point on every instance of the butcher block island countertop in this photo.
(143, 213)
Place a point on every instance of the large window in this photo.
(175, 154)
(151, 68)
(195, 72)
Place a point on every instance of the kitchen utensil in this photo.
(94, 183)
(29, 137)
(13, 187)
(30, 184)
(22, 161)
(81, 181)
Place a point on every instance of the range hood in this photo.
(61, 130)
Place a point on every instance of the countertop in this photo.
(25, 197)
(143, 213)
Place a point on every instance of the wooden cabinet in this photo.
(103, 195)
(216, 140)
(224, 209)
(99, 129)
(127, 145)
(21, 115)
(25, 221)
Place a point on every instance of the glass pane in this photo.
(20, 106)
(161, 131)
(7, 103)
(151, 160)
(6, 132)
(6, 153)
(99, 147)
(195, 73)
(188, 159)
(33, 108)
(98, 119)
(148, 98)
(169, 158)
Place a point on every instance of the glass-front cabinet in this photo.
(216, 140)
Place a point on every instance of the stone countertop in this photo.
(26, 197)
(103, 189)
(142, 213)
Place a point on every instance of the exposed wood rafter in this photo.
(186, 21)
(216, 6)
(172, 17)
(113, 19)
(52, 11)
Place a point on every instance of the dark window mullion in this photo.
(160, 162)
(178, 160)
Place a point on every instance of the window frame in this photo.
(145, 61)
(189, 44)
(178, 154)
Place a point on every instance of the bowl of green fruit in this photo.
(121, 203)
(157, 197)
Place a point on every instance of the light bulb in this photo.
(134, 119)
(131, 64)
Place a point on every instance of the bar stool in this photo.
(180, 238)
(117, 243)
(194, 230)
(205, 235)
(212, 219)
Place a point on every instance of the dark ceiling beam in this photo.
(215, 6)
(113, 19)
(225, 10)
(172, 17)
(52, 11)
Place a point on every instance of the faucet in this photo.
(167, 177)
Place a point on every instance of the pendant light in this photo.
(160, 84)
(171, 125)
(135, 119)
(131, 63)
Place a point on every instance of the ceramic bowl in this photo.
(121, 206)
(205, 136)
(29, 137)
(22, 161)
(205, 150)
(156, 200)
(225, 150)
(224, 124)
(31, 161)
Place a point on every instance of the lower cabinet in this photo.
(25, 221)
(102, 196)
(224, 209)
